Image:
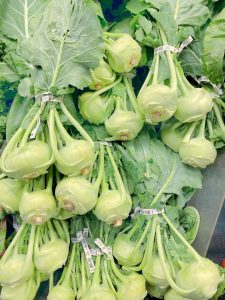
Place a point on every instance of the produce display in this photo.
(108, 112)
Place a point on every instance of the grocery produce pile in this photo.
(108, 112)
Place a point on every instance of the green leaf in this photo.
(137, 7)
(7, 74)
(19, 19)
(66, 46)
(190, 13)
(214, 48)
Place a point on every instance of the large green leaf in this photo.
(67, 45)
(20, 18)
(191, 12)
(214, 48)
(7, 74)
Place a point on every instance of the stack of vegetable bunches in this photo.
(92, 190)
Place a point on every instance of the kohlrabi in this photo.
(25, 291)
(126, 122)
(156, 291)
(38, 204)
(96, 107)
(158, 101)
(113, 205)
(194, 271)
(196, 150)
(123, 52)
(73, 157)
(193, 103)
(11, 192)
(172, 133)
(51, 246)
(16, 265)
(79, 195)
(64, 290)
(25, 158)
(102, 76)
(172, 295)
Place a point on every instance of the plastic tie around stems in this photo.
(146, 212)
(173, 49)
(82, 238)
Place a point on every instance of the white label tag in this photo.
(82, 238)
(172, 48)
(106, 144)
(105, 249)
(146, 212)
(35, 130)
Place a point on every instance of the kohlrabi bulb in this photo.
(157, 102)
(133, 288)
(102, 76)
(123, 54)
(95, 109)
(25, 291)
(172, 295)
(124, 125)
(78, 156)
(29, 161)
(98, 292)
(51, 256)
(156, 291)
(197, 152)
(63, 214)
(154, 274)
(113, 207)
(194, 106)
(123, 250)
(37, 207)
(44, 277)
(76, 194)
(11, 192)
(202, 276)
(12, 270)
(172, 136)
(61, 292)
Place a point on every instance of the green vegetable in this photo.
(37, 203)
(126, 122)
(197, 151)
(156, 291)
(172, 295)
(123, 53)
(77, 194)
(195, 275)
(102, 76)
(193, 103)
(25, 291)
(157, 101)
(16, 265)
(73, 157)
(172, 134)
(11, 192)
(51, 246)
(113, 206)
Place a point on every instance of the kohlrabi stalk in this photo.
(193, 275)
(11, 193)
(16, 265)
(193, 103)
(38, 204)
(96, 107)
(102, 76)
(197, 151)
(65, 289)
(25, 158)
(73, 157)
(126, 122)
(216, 126)
(79, 195)
(51, 246)
(158, 102)
(113, 206)
(123, 53)
(172, 134)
